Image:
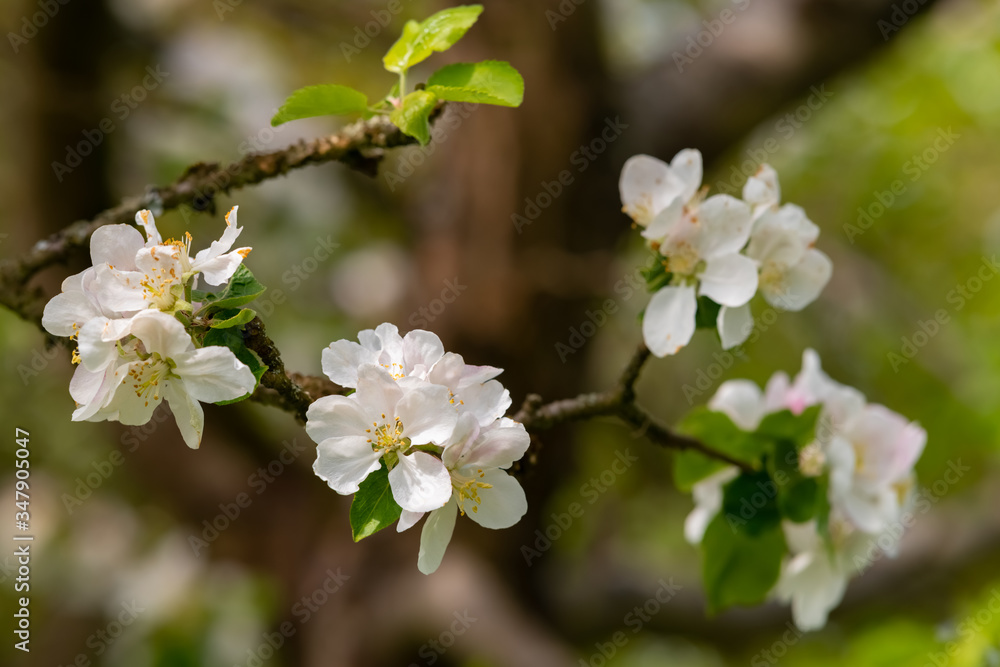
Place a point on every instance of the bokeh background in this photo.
(843, 97)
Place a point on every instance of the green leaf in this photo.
(800, 498)
(719, 432)
(233, 339)
(241, 290)
(488, 82)
(750, 503)
(225, 319)
(707, 316)
(413, 116)
(324, 100)
(784, 425)
(737, 568)
(373, 507)
(657, 276)
(437, 32)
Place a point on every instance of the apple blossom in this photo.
(649, 186)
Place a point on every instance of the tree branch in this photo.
(620, 403)
(360, 146)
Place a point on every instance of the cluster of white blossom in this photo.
(132, 352)
(718, 247)
(436, 423)
(867, 450)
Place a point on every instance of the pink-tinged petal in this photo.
(343, 463)
(741, 401)
(801, 284)
(188, 413)
(762, 189)
(435, 537)
(669, 321)
(496, 447)
(448, 371)
(213, 374)
(724, 226)
(421, 350)
(776, 392)
(735, 325)
(427, 415)
(336, 417)
(116, 245)
(146, 221)
(477, 374)
(729, 280)
(162, 334)
(343, 358)
(420, 482)
(687, 167)
(407, 520)
(377, 391)
(503, 503)
(647, 186)
(459, 444)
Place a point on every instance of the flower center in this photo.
(811, 460)
(468, 488)
(146, 376)
(772, 277)
(159, 282)
(395, 370)
(683, 259)
(387, 437)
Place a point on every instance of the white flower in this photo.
(762, 191)
(702, 250)
(792, 271)
(411, 355)
(162, 269)
(162, 362)
(384, 419)
(475, 458)
(871, 466)
(649, 186)
(744, 403)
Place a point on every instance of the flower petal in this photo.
(782, 236)
(343, 463)
(459, 444)
(213, 374)
(427, 414)
(496, 447)
(421, 350)
(687, 167)
(741, 401)
(647, 186)
(116, 245)
(343, 358)
(66, 309)
(665, 223)
(488, 401)
(802, 283)
(336, 417)
(420, 482)
(762, 189)
(188, 413)
(724, 223)
(735, 325)
(408, 519)
(146, 220)
(729, 280)
(435, 537)
(669, 321)
(503, 503)
(377, 391)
